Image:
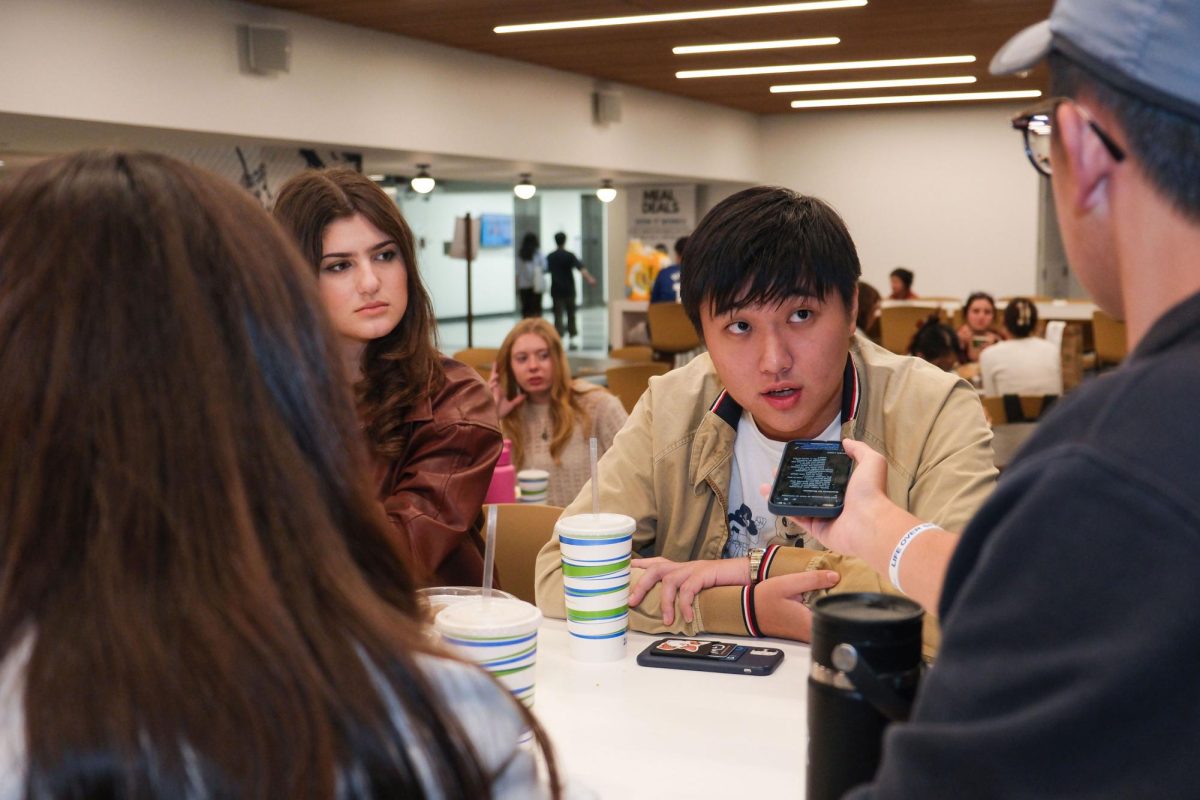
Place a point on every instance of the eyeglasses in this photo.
(1037, 123)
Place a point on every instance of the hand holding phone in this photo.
(707, 655)
(811, 481)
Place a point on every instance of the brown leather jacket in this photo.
(433, 493)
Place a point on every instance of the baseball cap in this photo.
(1148, 48)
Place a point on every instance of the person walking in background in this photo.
(666, 283)
(562, 264)
(430, 421)
(902, 281)
(978, 329)
(548, 416)
(199, 597)
(1024, 364)
(531, 276)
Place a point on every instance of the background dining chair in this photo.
(629, 381)
(634, 352)
(1108, 335)
(898, 325)
(1010, 408)
(671, 332)
(481, 358)
(521, 530)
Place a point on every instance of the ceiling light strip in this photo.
(679, 16)
(888, 84)
(835, 65)
(733, 47)
(916, 98)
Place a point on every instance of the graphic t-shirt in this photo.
(755, 459)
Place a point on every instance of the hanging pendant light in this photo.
(525, 188)
(606, 192)
(422, 183)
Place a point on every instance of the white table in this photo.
(674, 733)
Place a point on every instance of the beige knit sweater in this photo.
(606, 414)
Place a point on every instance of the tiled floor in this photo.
(490, 332)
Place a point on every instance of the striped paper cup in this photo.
(596, 550)
(498, 634)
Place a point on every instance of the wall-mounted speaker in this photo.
(265, 51)
(606, 106)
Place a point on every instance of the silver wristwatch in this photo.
(756, 556)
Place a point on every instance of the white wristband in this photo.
(901, 546)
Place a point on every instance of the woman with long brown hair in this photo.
(430, 421)
(548, 416)
(197, 594)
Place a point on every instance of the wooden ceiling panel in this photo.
(640, 55)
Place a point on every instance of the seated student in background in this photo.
(1024, 364)
(548, 416)
(978, 329)
(869, 305)
(902, 281)
(666, 283)
(935, 342)
(200, 599)
(771, 284)
(430, 421)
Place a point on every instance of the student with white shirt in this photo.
(1024, 364)
(771, 284)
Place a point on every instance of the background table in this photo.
(668, 733)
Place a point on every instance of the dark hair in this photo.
(973, 296)
(560, 238)
(1165, 144)
(529, 246)
(764, 245)
(189, 534)
(402, 367)
(933, 340)
(905, 276)
(1020, 317)
(680, 243)
(868, 304)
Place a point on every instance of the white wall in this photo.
(174, 64)
(947, 193)
(431, 218)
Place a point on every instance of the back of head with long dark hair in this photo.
(188, 535)
(529, 247)
(402, 367)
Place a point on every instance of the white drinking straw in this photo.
(489, 552)
(594, 447)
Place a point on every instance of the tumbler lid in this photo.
(885, 629)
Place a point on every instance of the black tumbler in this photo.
(866, 662)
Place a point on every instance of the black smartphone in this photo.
(707, 655)
(812, 480)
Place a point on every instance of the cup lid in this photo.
(483, 618)
(603, 524)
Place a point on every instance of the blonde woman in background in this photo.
(548, 416)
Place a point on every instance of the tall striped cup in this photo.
(499, 634)
(596, 550)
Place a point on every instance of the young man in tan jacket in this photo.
(771, 284)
